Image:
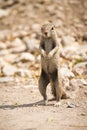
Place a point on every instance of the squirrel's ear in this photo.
(41, 29)
(53, 26)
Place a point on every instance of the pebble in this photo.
(70, 105)
(9, 70)
(6, 79)
(26, 56)
(31, 44)
(4, 13)
(65, 72)
(2, 45)
(80, 68)
(67, 40)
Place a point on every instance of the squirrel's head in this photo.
(48, 30)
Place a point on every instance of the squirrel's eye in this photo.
(52, 28)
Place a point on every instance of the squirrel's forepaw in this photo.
(50, 55)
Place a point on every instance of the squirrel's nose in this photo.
(45, 33)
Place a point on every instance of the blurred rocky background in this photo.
(20, 22)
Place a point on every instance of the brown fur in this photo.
(50, 63)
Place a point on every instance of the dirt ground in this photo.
(21, 109)
(20, 102)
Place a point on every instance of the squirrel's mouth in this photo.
(46, 35)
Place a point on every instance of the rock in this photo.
(35, 87)
(4, 52)
(11, 58)
(23, 72)
(24, 57)
(66, 75)
(85, 93)
(50, 119)
(70, 52)
(50, 8)
(17, 49)
(20, 33)
(0, 71)
(70, 105)
(65, 81)
(76, 83)
(83, 114)
(65, 72)
(4, 13)
(72, 87)
(67, 40)
(38, 58)
(82, 51)
(74, 52)
(73, 83)
(83, 82)
(9, 70)
(2, 62)
(80, 68)
(17, 46)
(6, 79)
(16, 42)
(36, 27)
(2, 45)
(31, 44)
(4, 34)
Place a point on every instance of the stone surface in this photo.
(2, 45)
(65, 72)
(17, 46)
(68, 40)
(6, 79)
(9, 70)
(31, 44)
(80, 68)
(78, 83)
(26, 57)
(4, 13)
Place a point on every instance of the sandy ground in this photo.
(20, 109)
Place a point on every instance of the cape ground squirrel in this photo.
(50, 64)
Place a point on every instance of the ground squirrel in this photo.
(50, 63)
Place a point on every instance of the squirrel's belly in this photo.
(49, 65)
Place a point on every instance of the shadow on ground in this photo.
(39, 103)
